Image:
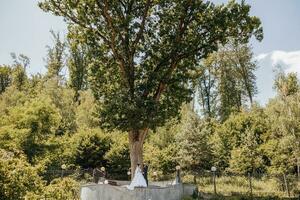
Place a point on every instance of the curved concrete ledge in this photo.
(110, 192)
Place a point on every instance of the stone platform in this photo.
(155, 191)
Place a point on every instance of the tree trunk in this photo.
(136, 142)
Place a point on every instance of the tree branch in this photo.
(142, 26)
(119, 58)
(182, 27)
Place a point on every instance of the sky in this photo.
(24, 28)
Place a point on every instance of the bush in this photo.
(17, 177)
(118, 160)
(89, 148)
(58, 189)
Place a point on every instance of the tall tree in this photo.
(78, 67)
(242, 58)
(20, 60)
(194, 150)
(56, 56)
(286, 84)
(207, 87)
(144, 53)
(20, 64)
(229, 88)
(282, 142)
(227, 81)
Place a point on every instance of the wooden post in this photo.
(94, 178)
(286, 185)
(214, 180)
(298, 168)
(195, 180)
(250, 184)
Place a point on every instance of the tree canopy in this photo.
(145, 52)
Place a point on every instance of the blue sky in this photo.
(24, 28)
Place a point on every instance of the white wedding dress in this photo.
(138, 180)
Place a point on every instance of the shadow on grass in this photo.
(238, 196)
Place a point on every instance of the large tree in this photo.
(207, 87)
(145, 52)
(227, 80)
(282, 142)
(236, 78)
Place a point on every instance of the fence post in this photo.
(213, 170)
(250, 184)
(298, 168)
(286, 185)
(195, 180)
(94, 178)
(214, 180)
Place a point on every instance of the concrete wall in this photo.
(109, 192)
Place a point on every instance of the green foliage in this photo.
(5, 77)
(140, 76)
(194, 150)
(10, 98)
(56, 56)
(286, 84)
(62, 98)
(85, 112)
(206, 85)
(17, 177)
(58, 189)
(247, 158)
(227, 80)
(20, 79)
(29, 126)
(185, 143)
(161, 160)
(238, 133)
(118, 160)
(77, 65)
(90, 147)
(282, 141)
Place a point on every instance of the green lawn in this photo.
(238, 187)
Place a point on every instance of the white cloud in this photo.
(261, 56)
(289, 61)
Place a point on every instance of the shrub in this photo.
(17, 177)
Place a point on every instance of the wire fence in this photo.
(250, 185)
(82, 175)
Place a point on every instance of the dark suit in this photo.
(145, 173)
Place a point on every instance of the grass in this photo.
(238, 187)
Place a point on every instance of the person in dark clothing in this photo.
(145, 172)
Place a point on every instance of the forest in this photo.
(60, 121)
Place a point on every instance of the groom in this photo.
(145, 172)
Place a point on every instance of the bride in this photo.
(138, 179)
